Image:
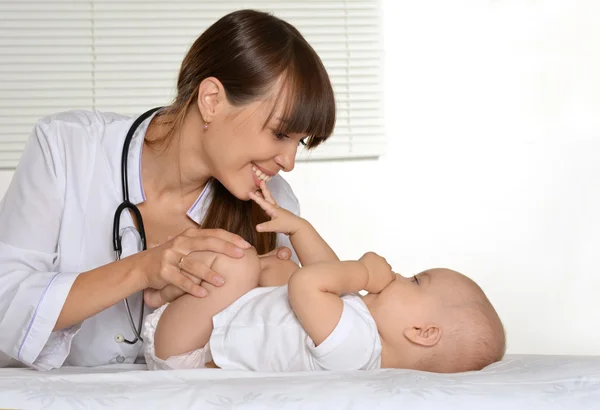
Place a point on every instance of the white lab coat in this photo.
(56, 221)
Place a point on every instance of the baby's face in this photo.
(437, 308)
(409, 301)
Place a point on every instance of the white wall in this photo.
(492, 114)
(492, 168)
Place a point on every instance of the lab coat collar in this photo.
(134, 163)
(134, 175)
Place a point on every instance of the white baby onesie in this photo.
(260, 332)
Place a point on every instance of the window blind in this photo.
(124, 56)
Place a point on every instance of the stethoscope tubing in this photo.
(126, 204)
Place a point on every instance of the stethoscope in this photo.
(126, 204)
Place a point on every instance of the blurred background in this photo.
(468, 133)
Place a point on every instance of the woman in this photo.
(249, 91)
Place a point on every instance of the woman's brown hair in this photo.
(248, 51)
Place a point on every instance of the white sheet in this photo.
(519, 382)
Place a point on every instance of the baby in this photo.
(438, 320)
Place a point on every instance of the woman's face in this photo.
(241, 150)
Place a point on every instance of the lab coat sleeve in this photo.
(284, 195)
(32, 291)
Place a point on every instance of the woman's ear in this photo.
(210, 92)
(428, 335)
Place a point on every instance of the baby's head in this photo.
(437, 321)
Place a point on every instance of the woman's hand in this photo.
(275, 264)
(178, 266)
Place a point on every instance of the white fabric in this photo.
(260, 332)
(517, 383)
(191, 360)
(56, 221)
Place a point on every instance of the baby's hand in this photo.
(282, 220)
(380, 272)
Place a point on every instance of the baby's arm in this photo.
(315, 291)
(308, 244)
(186, 324)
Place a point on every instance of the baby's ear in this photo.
(428, 335)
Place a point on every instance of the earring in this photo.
(205, 125)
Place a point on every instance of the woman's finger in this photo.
(187, 245)
(191, 277)
(220, 234)
(188, 286)
(195, 268)
(207, 286)
(170, 293)
(153, 297)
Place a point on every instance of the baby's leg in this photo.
(186, 324)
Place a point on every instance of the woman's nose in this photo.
(287, 159)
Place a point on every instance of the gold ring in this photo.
(181, 260)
